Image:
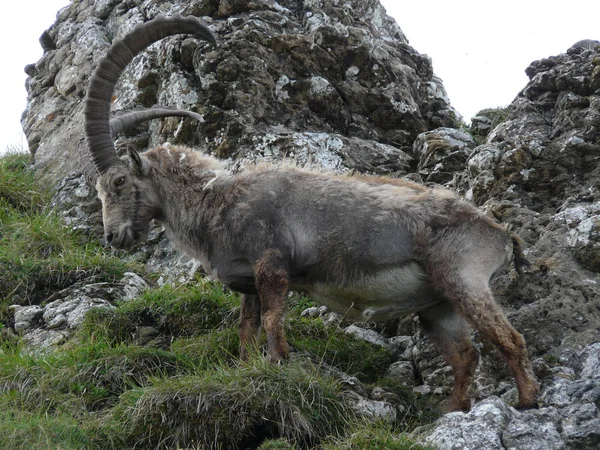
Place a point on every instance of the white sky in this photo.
(479, 49)
(21, 24)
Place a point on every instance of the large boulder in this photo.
(333, 81)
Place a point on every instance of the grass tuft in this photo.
(374, 436)
(236, 407)
(331, 345)
(183, 311)
(88, 377)
(18, 188)
(27, 431)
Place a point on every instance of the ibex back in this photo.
(369, 248)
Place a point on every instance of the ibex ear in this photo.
(139, 165)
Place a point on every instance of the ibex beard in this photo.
(369, 248)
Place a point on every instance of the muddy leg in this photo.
(450, 334)
(272, 281)
(249, 328)
(474, 301)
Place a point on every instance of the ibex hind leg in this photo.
(473, 300)
(450, 334)
(249, 327)
(272, 283)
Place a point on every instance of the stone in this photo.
(403, 371)
(490, 425)
(591, 364)
(364, 334)
(442, 152)
(567, 419)
(51, 324)
(401, 347)
(26, 317)
(313, 311)
(374, 409)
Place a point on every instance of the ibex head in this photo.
(126, 190)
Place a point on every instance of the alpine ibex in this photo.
(369, 248)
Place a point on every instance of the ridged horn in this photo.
(102, 84)
(123, 121)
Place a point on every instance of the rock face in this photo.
(332, 81)
(336, 84)
(568, 416)
(538, 172)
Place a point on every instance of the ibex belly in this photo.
(390, 293)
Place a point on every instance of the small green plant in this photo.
(278, 444)
(552, 360)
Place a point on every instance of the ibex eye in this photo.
(119, 181)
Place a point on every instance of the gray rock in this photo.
(26, 317)
(373, 409)
(364, 334)
(402, 347)
(47, 326)
(313, 311)
(332, 319)
(486, 120)
(442, 152)
(581, 426)
(591, 364)
(69, 313)
(568, 417)
(402, 371)
(39, 340)
(332, 152)
(490, 425)
(481, 125)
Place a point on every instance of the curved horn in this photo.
(119, 123)
(102, 84)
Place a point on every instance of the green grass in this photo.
(18, 188)
(183, 311)
(332, 346)
(38, 254)
(375, 436)
(87, 377)
(27, 431)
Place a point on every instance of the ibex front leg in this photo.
(249, 328)
(272, 282)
